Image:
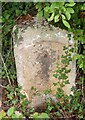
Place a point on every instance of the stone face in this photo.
(36, 51)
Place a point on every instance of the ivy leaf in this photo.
(70, 10)
(51, 18)
(24, 12)
(56, 19)
(67, 82)
(68, 15)
(10, 111)
(7, 16)
(66, 23)
(55, 75)
(18, 12)
(58, 113)
(54, 84)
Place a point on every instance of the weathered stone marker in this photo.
(37, 49)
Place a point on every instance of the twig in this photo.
(18, 17)
(3, 5)
(5, 69)
(3, 86)
(4, 24)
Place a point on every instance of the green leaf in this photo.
(0, 27)
(54, 84)
(54, 5)
(67, 82)
(58, 113)
(59, 4)
(63, 17)
(68, 15)
(81, 65)
(38, 5)
(25, 102)
(14, 116)
(16, 31)
(10, 111)
(83, 7)
(2, 114)
(47, 91)
(56, 18)
(34, 115)
(70, 10)
(75, 57)
(50, 108)
(71, 4)
(24, 12)
(18, 12)
(43, 115)
(63, 8)
(7, 16)
(40, 14)
(55, 75)
(0, 19)
(46, 9)
(66, 23)
(46, 14)
(51, 18)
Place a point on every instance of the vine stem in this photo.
(5, 69)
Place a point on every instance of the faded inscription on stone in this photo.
(37, 50)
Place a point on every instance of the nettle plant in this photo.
(56, 11)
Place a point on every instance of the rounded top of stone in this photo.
(39, 29)
(38, 23)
